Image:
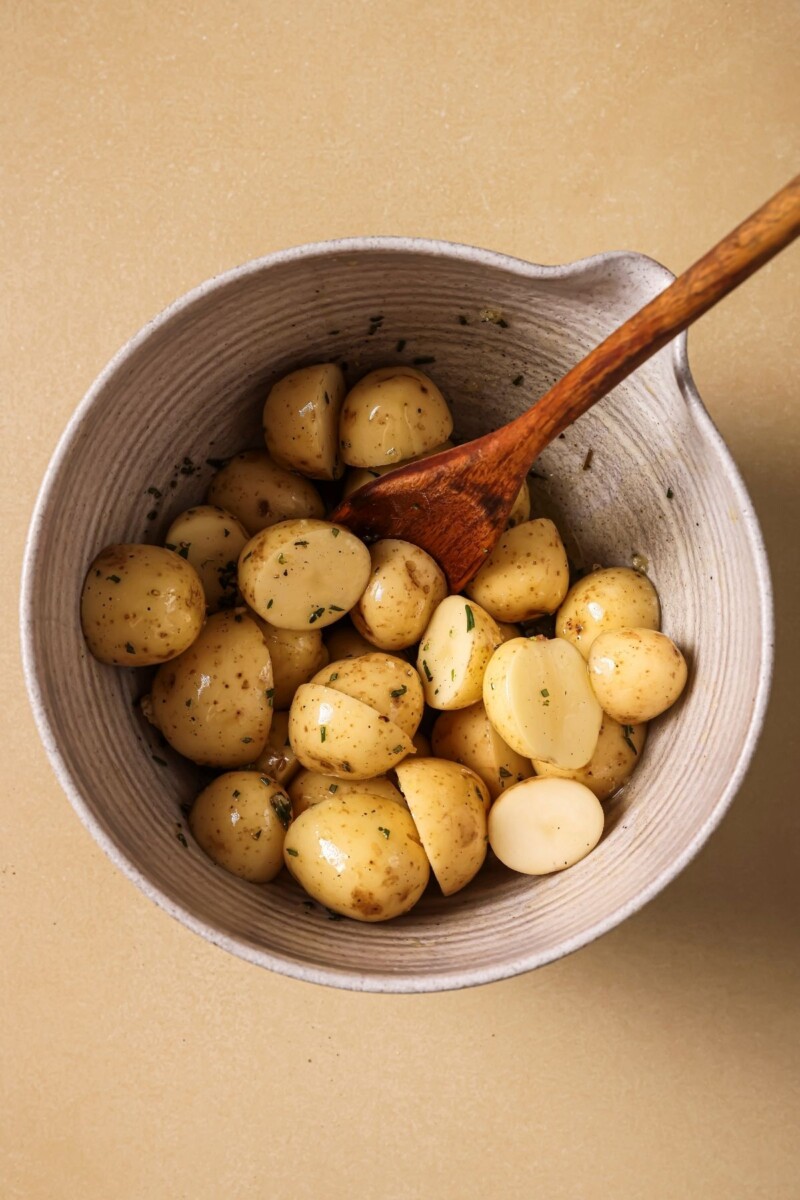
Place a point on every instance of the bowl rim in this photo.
(382, 981)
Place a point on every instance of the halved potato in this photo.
(334, 734)
(545, 825)
(454, 652)
(387, 684)
(211, 540)
(448, 803)
(301, 421)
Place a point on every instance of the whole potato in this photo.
(140, 605)
(404, 588)
(610, 598)
(240, 820)
(636, 674)
(213, 703)
(278, 759)
(334, 734)
(309, 787)
(343, 641)
(526, 574)
(211, 540)
(538, 697)
(301, 421)
(391, 415)
(466, 735)
(454, 652)
(616, 755)
(303, 574)
(296, 655)
(388, 685)
(448, 803)
(259, 493)
(545, 825)
(358, 477)
(359, 856)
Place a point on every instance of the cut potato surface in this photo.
(538, 697)
(359, 856)
(448, 803)
(259, 493)
(637, 674)
(309, 787)
(393, 414)
(388, 685)
(301, 421)
(466, 735)
(615, 757)
(454, 653)
(240, 821)
(334, 734)
(404, 588)
(610, 598)
(211, 540)
(303, 574)
(545, 825)
(525, 576)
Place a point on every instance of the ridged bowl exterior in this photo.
(189, 387)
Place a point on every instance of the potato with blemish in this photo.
(278, 759)
(448, 803)
(359, 856)
(454, 653)
(259, 493)
(387, 684)
(636, 674)
(140, 605)
(301, 421)
(240, 821)
(303, 574)
(525, 576)
(334, 734)
(211, 540)
(616, 756)
(296, 655)
(391, 415)
(609, 598)
(309, 787)
(466, 735)
(544, 825)
(213, 702)
(404, 588)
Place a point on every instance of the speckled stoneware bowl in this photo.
(662, 485)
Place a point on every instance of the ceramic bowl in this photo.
(494, 333)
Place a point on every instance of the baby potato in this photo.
(525, 576)
(610, 598)
(391, 415)
(278, 759)
(334, 734)
(211, 540)
(295, 654)
(454, 652)
(636, 674)
(448, 803)
(388, 685)
(240, 820)
(358, 477)
(615, 757)
(302, 574)
(359, 856)
(213, 702)
(544, 825)
(259, 493)
(140, 605)
(404, 587)
(309, 787)
(538, 697)
(467, 736)
(301, 421)
(343, 641)
(521, 508)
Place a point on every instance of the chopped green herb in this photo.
(282, 808)
(462, 320)
(184, 550)
(401, 691)
(281, 559)
(316, 614)
(452, 674)
(129, 648)
(270, 692)
(335, 608)
(301, 543)
(153, 491)
(427, 671)
(332, 678)
(397, 750)
(627, 730)
(248, 555)
(346, 767)
(670, 493)
(470, 618)
(587, 462)
(518, 382)
(181, 838)
(291, 850)
(336, 532)
(270, 603)
(151, 516)
(247, 740)
(544, 692)
(333, 788)
(162, 762)
(382, 829)
(401, 345)
(504, 774)
(323, 733)
(216, 463)
(113, 578)
(236, 793)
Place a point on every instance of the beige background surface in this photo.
(148, 146)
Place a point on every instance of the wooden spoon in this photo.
(456, 504)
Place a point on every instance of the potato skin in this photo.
(296, 655)
(240, 821)
(388, 685)
(454, 652)
(617, 754)
(525, 576)
(301, 421)
(448, 803)
(259, 493)
(140, 605)
(211, 540)
(334, 734)
(278, 759)
(466, 735)
(359, 856)
(391, 415)
(636, 674)
(404, 588)
(607, 599)
(309, 788)
(211, 703)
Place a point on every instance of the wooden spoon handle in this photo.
(731, 261)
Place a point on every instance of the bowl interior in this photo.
(494, 334)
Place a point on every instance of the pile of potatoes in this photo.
(301, 664)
